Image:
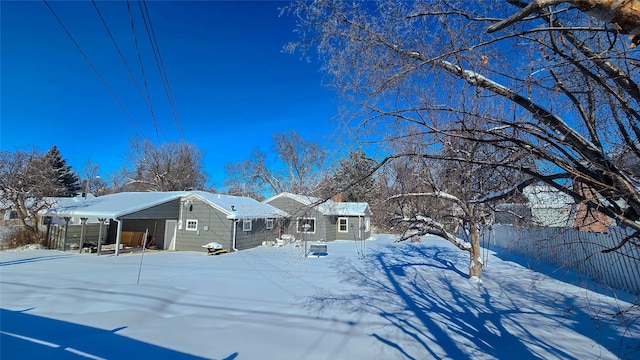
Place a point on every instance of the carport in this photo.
(129, 211)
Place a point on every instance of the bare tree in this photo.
(248, 177)
(93, 183)
(452, 192)
(168, 167)
(297, 169)
(553, 81)
(26, 181)
(302, 158)
(623, 15)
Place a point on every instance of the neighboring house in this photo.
(9, 218)
(180, 220)
(10, 215)
(312, 219)
(549, 207)
(545, 206)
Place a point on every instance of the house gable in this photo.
(206, 224)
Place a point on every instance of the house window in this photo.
(343, 224)
(367, 224)
(269, 224)
(307, 225)
(10, 215)
(246, 225)
(192, 225)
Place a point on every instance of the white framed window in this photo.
(269, 223)
(307, 225)
(367, 223)
(343, 225)
(192, 225)
(246, 225)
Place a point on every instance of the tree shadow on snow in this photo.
(26, 336)
(466, 321)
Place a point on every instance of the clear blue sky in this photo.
(232, 85)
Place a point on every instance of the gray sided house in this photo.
(545, 207)
(312, 219)
(179, 220)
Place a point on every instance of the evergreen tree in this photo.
(353, 179)
(67, 183)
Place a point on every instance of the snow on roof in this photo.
(328, 207)
(116, 205)
(351, 209)
(240, 207)
(113, 205)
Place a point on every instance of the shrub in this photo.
(23, 236)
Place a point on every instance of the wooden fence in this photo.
(576, 250)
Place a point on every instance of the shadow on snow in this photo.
(26, 336)
(466, 321)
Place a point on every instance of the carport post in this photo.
(102, 220)
(82, 232)
(66, 230)
(47, 219)
(118, 236)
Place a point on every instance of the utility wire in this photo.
(124, 61)
(160, 64)
(95, 70)
(144, 77)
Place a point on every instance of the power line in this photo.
(95, 70)
(160, 65)
(156, 124)
(124, 61)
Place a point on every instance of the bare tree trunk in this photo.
(624, 15)
(475, 268)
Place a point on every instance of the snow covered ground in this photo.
(403, 301)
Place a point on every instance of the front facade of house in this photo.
(312, 219)
(180, 220)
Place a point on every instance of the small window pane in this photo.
(343, 225)
(192, 225)
(246, 225)
(269, 224)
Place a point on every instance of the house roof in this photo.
(120, 204)
(113, 206)
(328, 207)
(240, 207)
